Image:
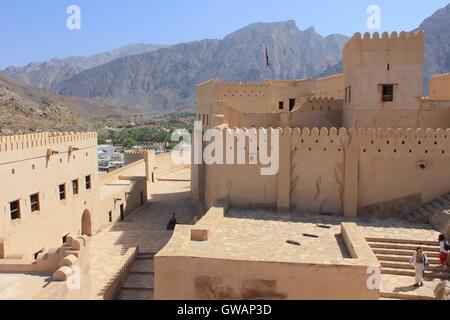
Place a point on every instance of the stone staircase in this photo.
(140, 282)
(435, 213)
(394, 256)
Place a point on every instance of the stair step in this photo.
(136, 294)
(403, 296)
(407, 266)
(404, 258)
(411, 273)
(139, 281)
(143, 265)
(402, 241)
(409, 253)
(380, 245)
(144, 258)
(146, 254)
(142, 272)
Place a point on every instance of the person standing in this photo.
(443, 249)
(420, 261)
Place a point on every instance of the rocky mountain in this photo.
(165, 80)
(24, 108)
(437, 46)
(50, 73)
(437, 43)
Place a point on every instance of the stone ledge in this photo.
(203, 230)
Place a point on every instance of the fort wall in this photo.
(341, 171)
(332, 86)
(439, 87)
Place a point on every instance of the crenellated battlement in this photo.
(441, 76)
(44, 139)
(418, 137)
(392, 41)
(138, 152)
(320, 103)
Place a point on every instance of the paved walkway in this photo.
(146, 228)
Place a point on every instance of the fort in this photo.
(364, 147)
(363, 178)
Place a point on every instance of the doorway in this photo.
(86, 223)
(122, 212)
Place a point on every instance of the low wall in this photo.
(179, 276)
(133, 169)
(115, 285)
(210, 222)
(76, 288)
(165, 165)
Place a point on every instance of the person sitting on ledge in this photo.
(443, 249)
(172, 223)
(420, 262)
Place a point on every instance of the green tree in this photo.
(128, 143)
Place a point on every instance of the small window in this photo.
(388, 67)
(110, 216)
(15, 210)
(291, 104)
(88, 182)
(75, 187)
(62, 192)
(349, 94)
(281, 105)
(34, 201)
(388, 93)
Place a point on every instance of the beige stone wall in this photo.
(341, 171)
(165, 165)
(179, 275)
(390, 166)
(372, 61)
(440, 87)
(127, 187)
(219, 279)
(320, 112)
(332, 86)
(39, 163)
(27, 167)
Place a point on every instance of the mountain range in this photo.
(163, 79)
(50, 73)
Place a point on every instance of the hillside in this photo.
(24, 108)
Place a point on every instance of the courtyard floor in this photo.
(146, 228)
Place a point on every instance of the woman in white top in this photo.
(420, 262)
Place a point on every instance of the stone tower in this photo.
(383, 78)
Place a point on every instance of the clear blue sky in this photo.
(36, 30)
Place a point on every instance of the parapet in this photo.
(441, 76)
(131, 156)
(393, 41)
(45, 139)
